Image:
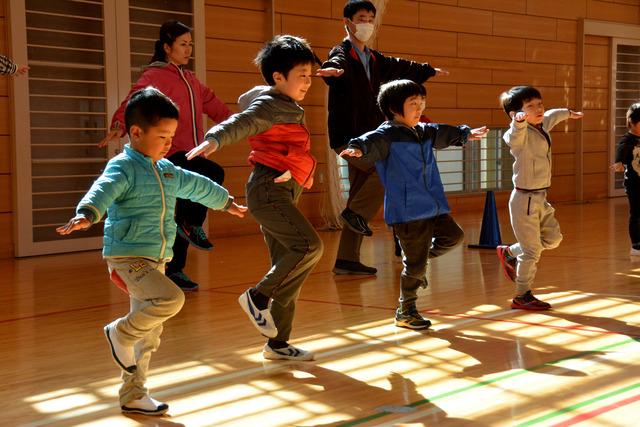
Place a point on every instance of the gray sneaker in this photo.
(411, 320)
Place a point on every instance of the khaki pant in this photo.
(421, 240)
(366, 195)
(536, 229)
(294, 245)
(153, 299)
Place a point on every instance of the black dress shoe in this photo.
(355, 222)
(343, 266)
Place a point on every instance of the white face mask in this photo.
(364, 31)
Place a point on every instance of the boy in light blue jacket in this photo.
(138, 190)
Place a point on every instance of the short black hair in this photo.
(633, 114)
(147, 107)
(394, 93)
(282, 54)
(354, 6)
(513, 99)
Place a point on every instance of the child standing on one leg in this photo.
(414, 201)
(138, 190)
(283, 165)
(532, 216)
(628, 161)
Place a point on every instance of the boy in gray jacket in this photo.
(273, 122)
(532, 216)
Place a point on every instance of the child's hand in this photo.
(617, 167)
(329, 72)
(351, 152)
(113, 134)
(575, 114)
(478, 133)
(286, 176)
(441, 72)
(205, 148)
(237, 210)
(78, 222)
(520, 116)
(21, 70)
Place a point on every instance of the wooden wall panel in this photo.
(5, 194)
(455, 19)
(416, 41)
(551, 52)
(402, 13)
(595, 186)
(320, 8)
(6, 235)
(490, 47)
(319, 32)
(608, 11)
(239, 24)
(512, 6)
(235, 4)
(5, 155)
(524, 26)
(563, 188)
(573, 9)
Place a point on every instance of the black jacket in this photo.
(628, 153)
(353, 108)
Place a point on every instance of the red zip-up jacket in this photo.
(192, 98)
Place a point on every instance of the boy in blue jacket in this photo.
(138, 190)
(414, 201)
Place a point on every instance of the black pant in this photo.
(188, 212)
(634, 216)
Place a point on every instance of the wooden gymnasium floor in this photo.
(482, 364)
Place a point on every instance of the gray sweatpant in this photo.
(294, 245)
(535, 228)
(154, 298)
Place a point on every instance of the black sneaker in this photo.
(195, 236)
(355, 222)
(343, 266)
(183, 281)
(411, 320)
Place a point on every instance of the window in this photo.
(480, 166)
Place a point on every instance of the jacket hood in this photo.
(247, 98)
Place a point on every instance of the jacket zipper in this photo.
(424, 175)
(162, 213)
(192, 106)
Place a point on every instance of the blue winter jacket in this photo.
(139, 197)
(407, 167)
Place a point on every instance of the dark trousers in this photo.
(294, 245)
(634, 216)
(188, 212)
(421, 240)
(366, 195)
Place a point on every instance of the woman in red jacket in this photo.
(167, 73)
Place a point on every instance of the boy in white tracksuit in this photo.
(532, 216)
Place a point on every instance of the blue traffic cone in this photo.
(490, 231)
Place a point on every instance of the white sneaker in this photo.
(634, 252)
(145, 405)
(287, 353)
(261, 319)
(124, 356)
